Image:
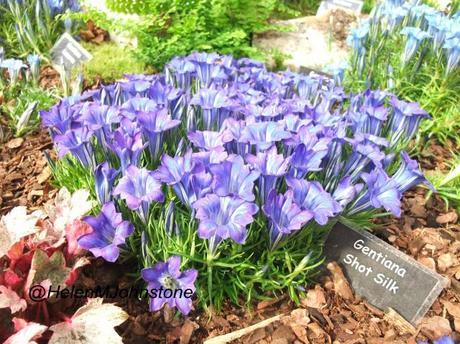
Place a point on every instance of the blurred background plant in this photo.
(178, 27)
(412, 50)
(33, 26)
(110, 62)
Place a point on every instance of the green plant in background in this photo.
(178, 27)
(412, 51)
(448, 184)
(33, 26)
(22, 104)
(110, 62)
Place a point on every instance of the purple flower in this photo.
(366, 150)
(381, 191)
(209, 140)
(215, 105)
(99, 119)
(224, 217)
(104, 177)
(271, 166)
(346, 191)
(155, 123)
(187, 175)
(312, 197)
(264, 134)
(59, 118)
(167, 276)
(234, 178)
(109, 232)
(139, 188)
(284, 215)
(127, 143)
(309, 154)
(77, 142)
(409, 175)
(404, 120)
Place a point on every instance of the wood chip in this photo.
(15, 143)
(341, 285)
(450, 217)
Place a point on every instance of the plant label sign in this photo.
(383, 275)
(68, 53)
(353, 6)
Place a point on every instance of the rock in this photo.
(308, 44)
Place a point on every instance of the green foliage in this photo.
(178, 27)
(304, 7)
(110, 62)
(447, 185)
(29, 27)
(18, 98)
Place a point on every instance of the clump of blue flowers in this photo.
(237, 170)
(412, 50)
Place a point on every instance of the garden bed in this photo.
(426, 231)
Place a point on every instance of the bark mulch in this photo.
(24, 174)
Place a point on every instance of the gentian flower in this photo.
(215, 106)
(109, 232)
(356, 38)
(77, 142)
(263, 134)
(14, 67)
(312, 197)
(415, 37)
(155, 124)
(309, 155)
(346, 191)
(59, 118)
(271, 166)
(167, 275)
(182, 70)
(224, 217)
(104, 177)
(34, 63)
(127, 143)
(207, 67)
(285, 216)
(452, 46)
(409, 175)
(187, 175)
(234, 178)
(100, 119)
(209, 140)
(139, 188)
(404, 120)
(381, 191)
